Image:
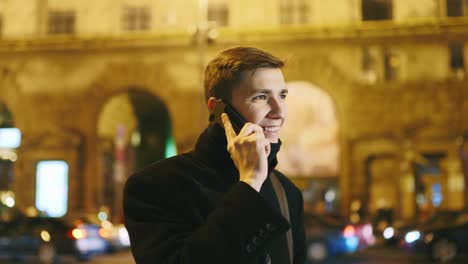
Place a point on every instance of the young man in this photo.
(221, 203)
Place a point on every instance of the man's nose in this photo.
(277, 108)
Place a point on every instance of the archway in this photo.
(134, 130)
(310, 150)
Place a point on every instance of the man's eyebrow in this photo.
(268, 91)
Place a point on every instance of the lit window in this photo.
(52, 187)
(219, 14)
(61, 22)
(294, 12)
(377, 9)
(136, 18)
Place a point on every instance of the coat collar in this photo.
(211, 150)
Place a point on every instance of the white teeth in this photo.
(271, 129)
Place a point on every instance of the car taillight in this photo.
(78, 233)
(349, 231)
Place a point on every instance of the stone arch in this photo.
(310, 152)
(310, 134)
(370, 157)
(155, 79)
(315, 68)
(134, 130)
(152, 78)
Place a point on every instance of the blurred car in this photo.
(395, 234)
(442, 242)
(46, 238)
(328, 236)
(365, 234)
(116, 236)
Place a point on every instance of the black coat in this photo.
(192, 208)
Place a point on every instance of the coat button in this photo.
(269, 227)
(249, 248)
(256, 240)
(261, 232)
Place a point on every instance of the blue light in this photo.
(352, 243)
(436, 194)
(412, 236)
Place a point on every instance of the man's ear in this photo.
(211, 104)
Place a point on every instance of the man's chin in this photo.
(273, 140)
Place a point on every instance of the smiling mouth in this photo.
(271, 129)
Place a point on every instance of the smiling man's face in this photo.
(261, 99)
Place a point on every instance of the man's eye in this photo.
(260, 97)
(283, 96)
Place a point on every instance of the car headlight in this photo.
(388, 232)
(412, 236)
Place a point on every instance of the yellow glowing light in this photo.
(78, 233)
(106, 224)
(45, 236)
(103, 232)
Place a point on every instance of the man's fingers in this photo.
(249, 129)
(230, 133)
(267, 146)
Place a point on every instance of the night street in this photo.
(205, 128)
(384, 255)
(377, 254)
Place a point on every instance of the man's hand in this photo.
(249, 151)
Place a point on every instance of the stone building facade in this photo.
(398, 85)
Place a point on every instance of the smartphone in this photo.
(237, 120)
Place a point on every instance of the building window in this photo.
(304, 11)
(369, 65)
(377, 9)
(391, 64)
(136, 18)
(380, 64)
(218, 14)
(457, 8)
(294, 12)
(61, 22)
(457, 63)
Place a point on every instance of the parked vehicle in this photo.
(395, 234)
(328, 236)
(442, 242)
(116, 236)
(46, 238)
